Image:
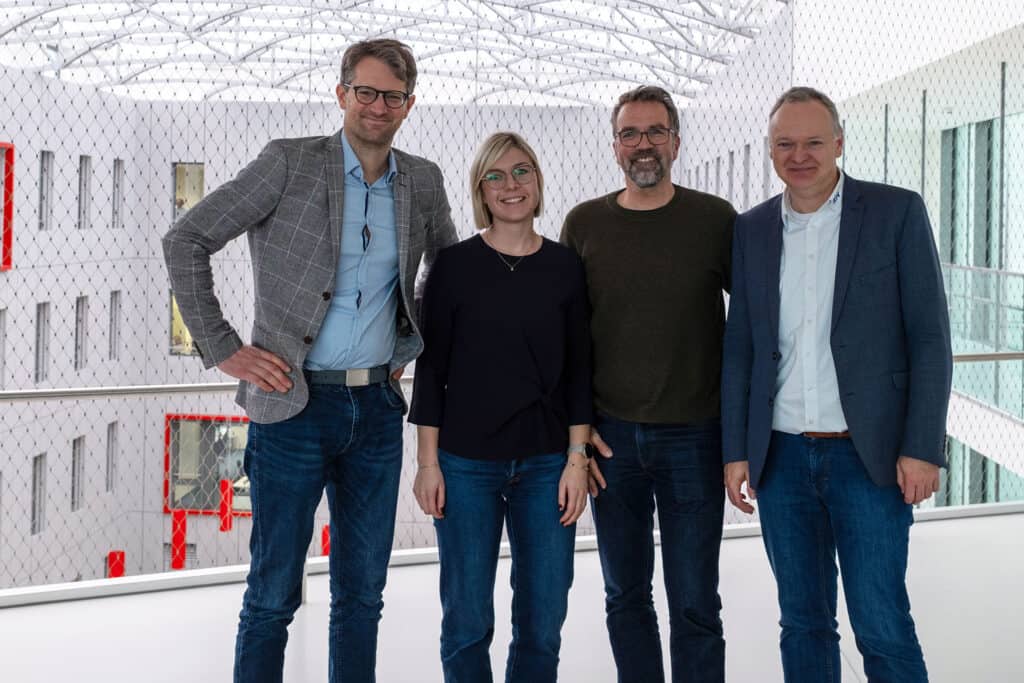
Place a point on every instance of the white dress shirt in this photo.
(807, 391)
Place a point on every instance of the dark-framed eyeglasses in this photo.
(394, 99)
(631, 137)
(523, 175)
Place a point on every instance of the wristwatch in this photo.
(580, 448)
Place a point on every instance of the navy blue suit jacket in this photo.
(889, 339)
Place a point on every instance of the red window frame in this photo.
(195, 417)
(7, 230)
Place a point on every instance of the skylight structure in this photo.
(469, 51)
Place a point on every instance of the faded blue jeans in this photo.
(675, 469)
(480, 497)
(815, 501)
(349, 441)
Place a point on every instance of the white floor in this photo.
(966, 583)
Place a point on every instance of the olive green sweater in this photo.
(655, 280)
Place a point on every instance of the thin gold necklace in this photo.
(511, 266)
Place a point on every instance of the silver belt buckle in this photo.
(358, 377)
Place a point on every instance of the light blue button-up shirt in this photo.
(359, 329)
(807, 398)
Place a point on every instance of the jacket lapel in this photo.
(334, 169)
(849, 234)
(403, 192)
(773, 261)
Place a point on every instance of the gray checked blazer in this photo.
(289, 204)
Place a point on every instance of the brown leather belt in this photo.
(827, 435)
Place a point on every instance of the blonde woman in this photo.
(503, 403)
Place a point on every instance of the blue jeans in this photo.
(815, 499)
(678, 470)
(479, 497)
(349, 441)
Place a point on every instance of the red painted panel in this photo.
(115, 564)
(227, 493)
(179, 530)
(7, 229)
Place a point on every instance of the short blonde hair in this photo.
(490, 151)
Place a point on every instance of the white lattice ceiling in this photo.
(511, 51)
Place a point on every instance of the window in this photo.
(77, 473)
(42, 341)
(3, 346)
(746, 177)
(81, 331)
(731, 187)
(84, 192)
(970, 207)
(7, 206)
(181, 338)
(45, 190)
(202, 451)
(766, 170)
(117, 198)
(191, 561)
(188, 186)
(112, 456)
(114, 333)
(38, 494)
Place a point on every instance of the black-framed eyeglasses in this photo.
(394, 99)
(523, 175)
(631, 137)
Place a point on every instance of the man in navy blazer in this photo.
(835, 385)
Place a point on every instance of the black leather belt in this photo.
(356, 377)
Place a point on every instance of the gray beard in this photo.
(646, 179)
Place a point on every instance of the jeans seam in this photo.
(256, 530)
(513, 660)
(822, 578)
(354, 426)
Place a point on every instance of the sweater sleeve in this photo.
(580, 402)
(437, 316)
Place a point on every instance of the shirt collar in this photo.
(355, 169)
(832, 207)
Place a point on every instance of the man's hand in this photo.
(259, 367)
(595, 480)
(918, 479)
(736, 474)
(397, 374)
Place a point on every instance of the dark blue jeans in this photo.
(349, 441)
(676, 469)
(480, 497)
(815, 500)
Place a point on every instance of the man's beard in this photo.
(647, 177)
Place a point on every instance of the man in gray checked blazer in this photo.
(337, 227)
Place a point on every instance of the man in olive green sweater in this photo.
(657, 261)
